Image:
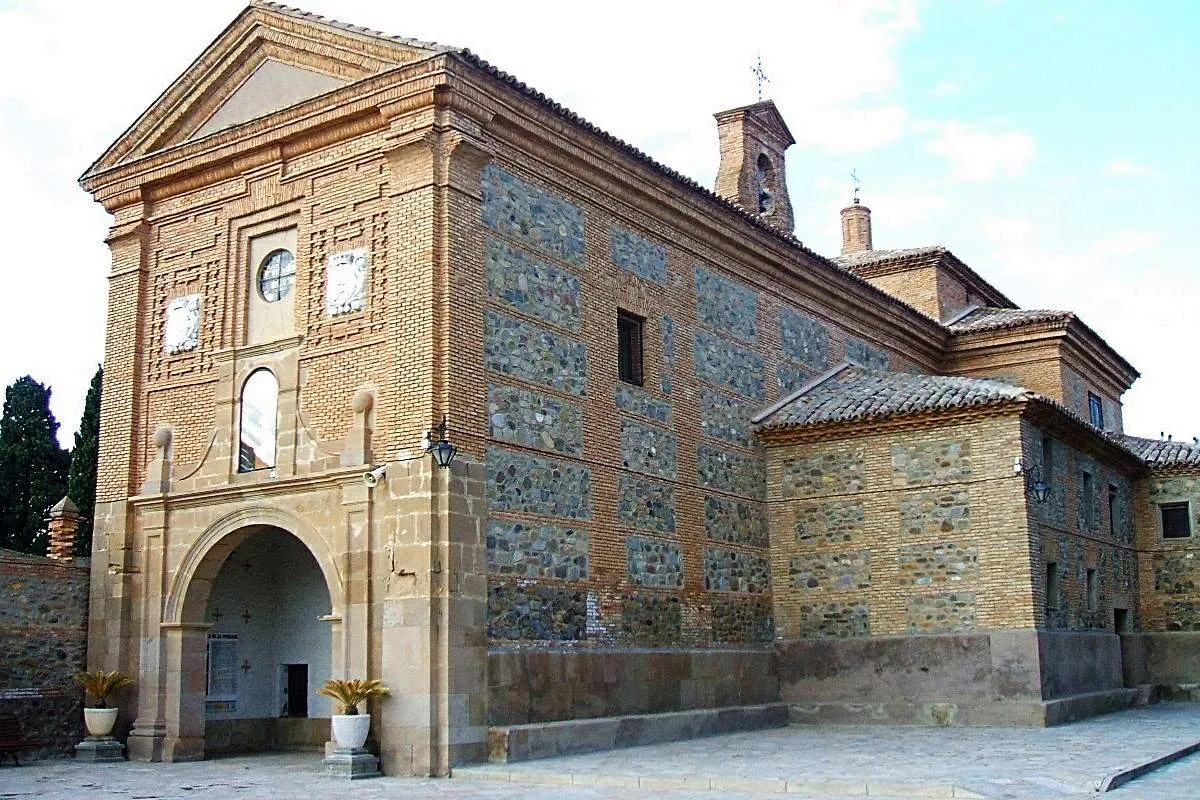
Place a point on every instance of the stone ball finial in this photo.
(162, 437)
(362, 402)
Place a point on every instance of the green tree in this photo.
(33, 468)
(81, 481)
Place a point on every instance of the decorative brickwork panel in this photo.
(186, 321)
(930, 462)
(728, 570)
(533, 215)
(644, 404)
(536, 612)
(724, 418)
(521, 550)
(835, 620)
(654, 563)
(534, 354)
(668, 352)
(731, 472)
(734, 521)
(725, 305)
(836, 472)
(944, 562)
(518, 482)
(639, 255)
(1176, 573)
(368, 233)
(863, 354)
(804, 339)
(790, 378)
(651, 619)
(835, 522)
(737, 621)
(524, 417)
(647, 449)
(646, 504)
(831, 571)
(940, 613)
(532, 286)
(932, 513)
(725, 363)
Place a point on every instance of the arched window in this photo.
(764, 177)
(260, 410)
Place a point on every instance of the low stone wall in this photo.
(265, 734)
(994, 678)
(43, 641)
(526, 686)
(1169, 659)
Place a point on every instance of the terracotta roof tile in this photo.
(851, 261)
(990, 319)
(1159, 453)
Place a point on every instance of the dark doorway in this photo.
(1121, 620)
(295, 690)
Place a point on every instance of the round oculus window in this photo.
(277, 275)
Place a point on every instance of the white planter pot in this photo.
(99, 721)
(350, 730)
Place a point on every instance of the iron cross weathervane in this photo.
(857, 185)
(760, 76)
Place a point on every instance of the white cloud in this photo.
(853, 130)
(948, 87)
(1126, 242)
(1127, 169)
(979, 155)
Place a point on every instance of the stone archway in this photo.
(296, 580)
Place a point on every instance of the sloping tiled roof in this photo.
(300, 13)
(851, 261)
(990, 319)
(1159, 453)
(850, 393)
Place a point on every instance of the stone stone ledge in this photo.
(512, 743)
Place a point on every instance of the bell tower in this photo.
(753, 140)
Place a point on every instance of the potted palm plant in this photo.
(99, 719)
(349, 727)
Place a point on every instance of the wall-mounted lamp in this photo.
(441, 449)
(1035, 486)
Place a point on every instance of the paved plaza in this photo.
(825, 762)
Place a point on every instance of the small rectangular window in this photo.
(1093, 591)
(1051, 586)
(1112, 511)
(1047, 460)
(1096, 410)
(1176, 520)
(1089, 501)
(629, 347)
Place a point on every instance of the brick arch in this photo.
(190, 586)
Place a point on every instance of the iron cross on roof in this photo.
(760, 76)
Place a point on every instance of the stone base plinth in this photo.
(99, 748)
(351, 763)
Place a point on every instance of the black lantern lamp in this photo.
(1036, 486)
(442, 450)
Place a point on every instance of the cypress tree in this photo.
(33, 468)
(81, 481)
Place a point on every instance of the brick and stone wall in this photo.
(43, 642)
(1170, 567)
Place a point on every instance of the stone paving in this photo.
(879, 762)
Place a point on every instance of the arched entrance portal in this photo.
(268, 650)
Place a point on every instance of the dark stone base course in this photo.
(55, 720)
(546, 740)
(1027, 678)
(534, 686)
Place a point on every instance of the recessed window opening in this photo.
(1176, 519)
(1112, 510)
(1047, 460)
(1096, 410)
(1089, 501)
(259, 421)
(276, 275)
(1093, 590)
(764, 177)
(629, 347)
(1051, 586)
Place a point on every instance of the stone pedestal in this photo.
(98, 749)
(351, 763)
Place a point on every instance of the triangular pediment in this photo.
(269, 58)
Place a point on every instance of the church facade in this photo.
(699, 464)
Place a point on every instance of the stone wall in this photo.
(907, 530)
(1169, 571)
(43, 642)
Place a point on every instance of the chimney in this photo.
(856, 228)
(63, 521)
(752, 140)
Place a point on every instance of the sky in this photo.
(1050, 144)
